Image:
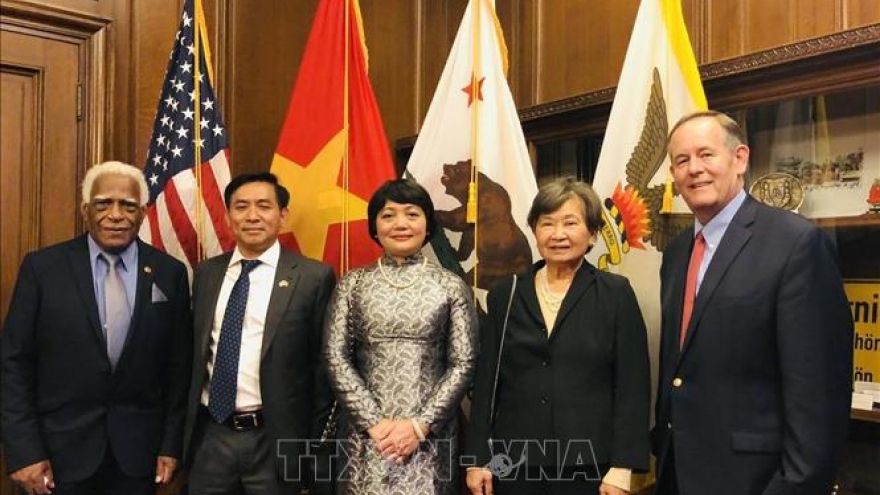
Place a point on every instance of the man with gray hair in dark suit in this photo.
(95, 346)
(756, 345)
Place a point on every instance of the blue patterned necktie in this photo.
(117, 313)
(224, 382)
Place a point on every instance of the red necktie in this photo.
(690, 287)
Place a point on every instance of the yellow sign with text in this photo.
(864, 302)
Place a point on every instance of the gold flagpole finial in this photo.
(667, 196)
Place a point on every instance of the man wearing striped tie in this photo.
(95, 345)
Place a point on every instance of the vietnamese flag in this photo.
(333, 153)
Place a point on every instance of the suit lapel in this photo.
(286, 278)
(529, 296)
(583, 280)
(212, 279)
(142, 295)
(679, 258)
(735, 238)
(81, 268)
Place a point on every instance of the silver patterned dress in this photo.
(400, 343)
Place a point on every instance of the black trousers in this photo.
(551, 481)
(108, 480)
(668, 482)
(229, 462)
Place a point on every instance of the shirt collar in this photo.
(717, 226)
(128, 255)
(268, 257)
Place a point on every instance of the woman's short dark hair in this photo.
(552, 195)
(403, 191)
(281, 193)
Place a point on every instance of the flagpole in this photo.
(197, 150)
(668, 191)
(344, 247)
(473, 192)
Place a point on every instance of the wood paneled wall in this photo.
(739, 27)
(557, 49)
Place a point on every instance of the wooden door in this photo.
(40, 126)
(51, 63)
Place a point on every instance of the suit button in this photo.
(545, 364)
(677, 382)
(545, 399)
(669, 426)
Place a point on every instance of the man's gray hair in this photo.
(734, 135)
(114, 168)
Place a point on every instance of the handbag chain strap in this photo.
(333, 417)
(500, 351)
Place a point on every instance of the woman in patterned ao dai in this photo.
(401, 350)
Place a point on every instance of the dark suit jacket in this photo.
(764, 399)
(293, 385)
(60, 399)
(588, 382)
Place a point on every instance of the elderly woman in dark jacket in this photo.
(562, 394)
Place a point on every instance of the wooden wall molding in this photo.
(59, 20)
(842, 60)
(30, 188)
(578, 112)
(91, 33)
(825, 45)
(567, 104)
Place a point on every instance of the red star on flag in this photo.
(469, 89)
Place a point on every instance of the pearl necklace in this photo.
(396, 285)
(553, 300)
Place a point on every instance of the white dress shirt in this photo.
(262, 277)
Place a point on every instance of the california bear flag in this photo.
(472, 157)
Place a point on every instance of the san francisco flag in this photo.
(659, 84)
(472, 157)
(332, 153)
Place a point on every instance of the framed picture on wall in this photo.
(829, 143)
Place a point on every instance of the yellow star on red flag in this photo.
(332, 151)
(316, 201)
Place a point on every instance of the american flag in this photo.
(182, 214)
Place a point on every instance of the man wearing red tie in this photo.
(756, 345)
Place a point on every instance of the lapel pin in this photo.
(283, 283)
(147, 269)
